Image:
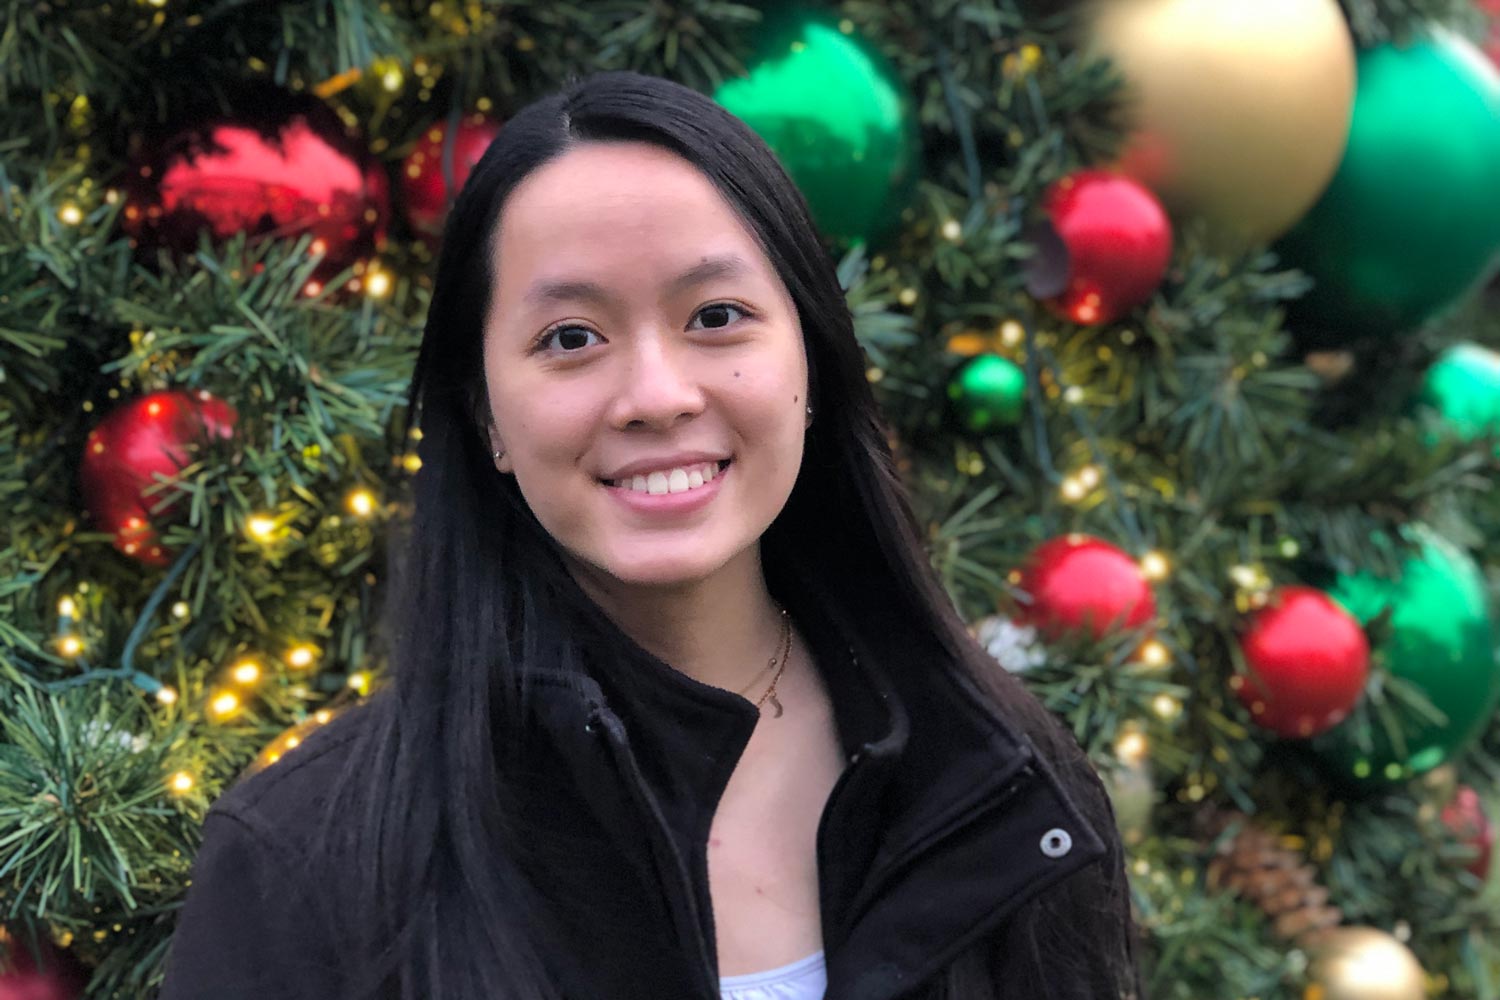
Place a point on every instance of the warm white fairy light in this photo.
(360, 502)
(360, 681)
(1132, 746)
(70, 646)
(246, 672)
(182, 782)
(1154, 566)
(301, 655)
(378, 284)
(225, 703)
(1154, 654)
(167, 696)
(67, 608)
(260, 527)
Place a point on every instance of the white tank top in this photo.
(805, 979)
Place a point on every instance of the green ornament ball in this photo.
(1442, 642)
(837, 115)
(1463, 386)
(988, 392)
(1411, 220)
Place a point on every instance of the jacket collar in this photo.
(944, 821)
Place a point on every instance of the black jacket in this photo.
(943, 823)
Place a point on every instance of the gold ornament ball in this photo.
(1239, 111)
(1362, 963)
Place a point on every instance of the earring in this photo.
(497, 454)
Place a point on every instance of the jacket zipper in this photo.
(646, 799)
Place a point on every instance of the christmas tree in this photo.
(1176, 308)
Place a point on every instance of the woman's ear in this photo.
(498, 451)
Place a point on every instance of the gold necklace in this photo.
(786, 648)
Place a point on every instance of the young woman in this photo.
(680, 709)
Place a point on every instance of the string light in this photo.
(360, 681)
(293, 743)
(907, 297)
(411, 463)
(302, 655)
(1089, 476)
(1154, 654)
(246, 672)
(360, 502)
(1154, 566)
(67, 608)
(1132, 747)
(1073, 489)
(180, 609)
(70, 214)
(225, 703)
(323, 715)
(182, 782)
(378, 284)
(952, 230)
(1166, 706)
(167, 696)
(260, 527)
(69, 646)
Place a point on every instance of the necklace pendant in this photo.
(775, 705)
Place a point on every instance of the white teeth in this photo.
(671, 480)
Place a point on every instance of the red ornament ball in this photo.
(1465, 816)
(287, 169)
(1308, 661)
(1079, 584)
(436, 169)
(59, 977)
(155, 435)
(1107, 250)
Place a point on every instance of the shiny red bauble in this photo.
(59, 977)
(435, 170)
(1116, 242)
(285, 168)
(1465, 816)
(1082, 585)
(1308, 661)
(153, 436)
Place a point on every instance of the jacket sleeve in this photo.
(247, 929)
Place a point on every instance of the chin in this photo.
(649, 564)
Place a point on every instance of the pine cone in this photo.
(1279, 879)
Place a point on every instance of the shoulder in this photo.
(286, 799)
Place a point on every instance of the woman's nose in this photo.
(658, 386)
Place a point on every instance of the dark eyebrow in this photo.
(723, 266)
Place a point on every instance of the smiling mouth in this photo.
(663, 482)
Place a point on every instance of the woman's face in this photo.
(636, 328)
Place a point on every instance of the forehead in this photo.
(621, 211)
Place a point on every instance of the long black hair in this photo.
(437, 909)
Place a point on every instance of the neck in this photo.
(719, 630)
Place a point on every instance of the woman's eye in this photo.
(569, 338)
(717, 316)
